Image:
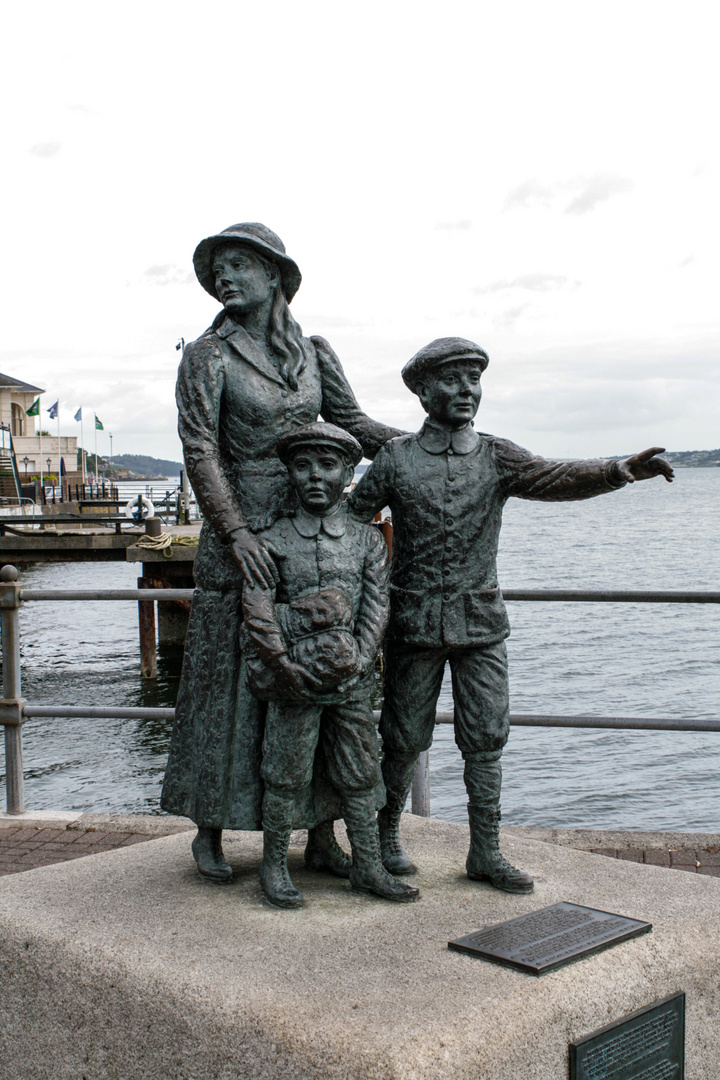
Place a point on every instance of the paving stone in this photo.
(656, 857)
(683, 859)
(631, 854)
(20, 833)
(709, 871)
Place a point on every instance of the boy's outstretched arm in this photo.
(527, 476)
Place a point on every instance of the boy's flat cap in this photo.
(439, 352)
(321, 434)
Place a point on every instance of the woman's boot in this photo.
(324, 853)
(483, 777)
(208, 854)
(368, 873)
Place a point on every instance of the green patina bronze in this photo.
(310, 643)
(446, 487)
(248, 380)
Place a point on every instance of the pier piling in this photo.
(148, 634)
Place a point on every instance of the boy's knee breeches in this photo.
(349, 743)
(413, 678)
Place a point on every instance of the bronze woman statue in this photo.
(248, 380)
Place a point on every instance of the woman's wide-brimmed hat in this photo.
(320, 434)
(257, 236)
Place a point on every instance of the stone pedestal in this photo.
(126, 965)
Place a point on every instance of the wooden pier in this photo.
(169, 568)
(60, 540)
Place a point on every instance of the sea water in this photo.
(605, 659)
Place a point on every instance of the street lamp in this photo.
(48, 464)
(26, 461)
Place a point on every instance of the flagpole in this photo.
(96, 460)
(59, 456)
(82, 448)
(42, 488)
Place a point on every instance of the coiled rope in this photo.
(165, 542)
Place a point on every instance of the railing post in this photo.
(12, 704)
(421, 786)
(148, 633)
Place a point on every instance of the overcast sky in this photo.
(539, 177)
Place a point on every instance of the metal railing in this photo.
(15, 710)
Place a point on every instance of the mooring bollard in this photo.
(420, 798)
(12, 704)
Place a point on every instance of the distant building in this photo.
(16, 397)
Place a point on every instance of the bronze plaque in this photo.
(549, 938)
(646, 1045)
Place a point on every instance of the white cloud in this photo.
(167, 274)
(575, 196)
(45, 149)
(423, 193)
(531, 282)
(596, 190)
(463, 225)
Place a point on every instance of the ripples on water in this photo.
(615, 659)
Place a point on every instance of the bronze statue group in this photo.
(295, 598)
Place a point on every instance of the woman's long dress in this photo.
(233, 407)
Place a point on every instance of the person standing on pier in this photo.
(248, 380)
(446, 487)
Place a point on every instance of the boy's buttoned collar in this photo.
(308, 525)
(439, 440)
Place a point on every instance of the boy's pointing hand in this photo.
(645, 465)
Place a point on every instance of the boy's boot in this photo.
(398, 776)
(483, 777)
(278, 812)
(324, 853)
(208, 855)
(368, 874)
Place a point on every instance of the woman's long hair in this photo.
(284, 334)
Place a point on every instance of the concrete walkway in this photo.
(41, 840)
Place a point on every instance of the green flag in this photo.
(98, 425)
(34, 409)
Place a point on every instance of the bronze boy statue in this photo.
(310, 644)
(446, 487)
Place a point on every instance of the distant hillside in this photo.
(143, 465)
(693, 458)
